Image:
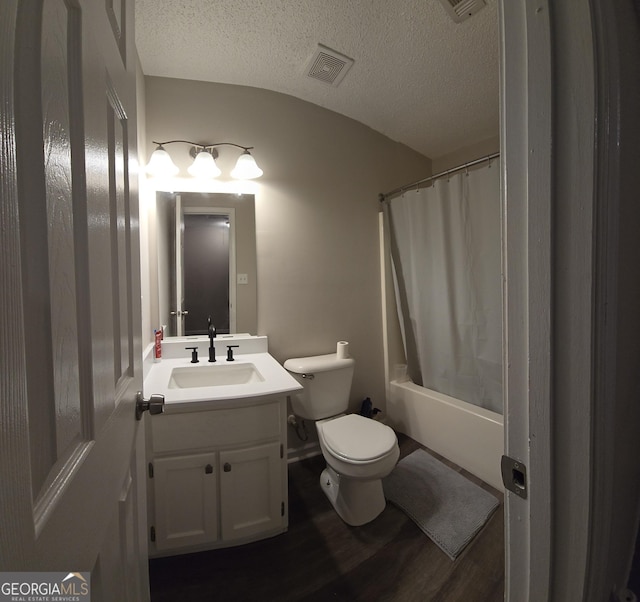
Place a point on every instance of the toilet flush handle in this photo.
(308, 376)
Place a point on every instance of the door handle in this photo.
(155, 404)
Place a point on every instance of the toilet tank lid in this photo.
(317, 363)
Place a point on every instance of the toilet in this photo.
(358, 451)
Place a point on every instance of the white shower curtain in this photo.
(446, 256)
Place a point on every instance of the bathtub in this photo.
(470, 436)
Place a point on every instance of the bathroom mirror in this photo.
(206, 249)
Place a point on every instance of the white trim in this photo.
(526, 174)
(178, 234)
(308, 450)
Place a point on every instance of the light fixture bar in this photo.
(204, 165)
(201, 145)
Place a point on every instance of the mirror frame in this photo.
(245, 252)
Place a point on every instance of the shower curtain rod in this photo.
(387, 195)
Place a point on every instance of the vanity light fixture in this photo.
(204, 161)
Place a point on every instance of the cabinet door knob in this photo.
(227, 467)
(208, 469)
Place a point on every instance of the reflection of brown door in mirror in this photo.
(206, 272)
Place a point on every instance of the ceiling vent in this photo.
(460, 10)
(328, 66)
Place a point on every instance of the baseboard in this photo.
(309, 450)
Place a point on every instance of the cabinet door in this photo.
(186, 512)
(251, 491)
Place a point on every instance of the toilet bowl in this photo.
(358, 447)
(358, 451)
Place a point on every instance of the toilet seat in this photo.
(356, 439)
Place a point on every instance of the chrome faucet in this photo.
(212, 335)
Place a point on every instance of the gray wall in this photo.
(316, 211)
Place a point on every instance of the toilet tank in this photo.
(327, 383)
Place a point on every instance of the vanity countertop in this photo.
(274, 381)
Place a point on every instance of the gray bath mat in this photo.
(446, 506)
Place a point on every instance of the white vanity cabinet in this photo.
(217, 477)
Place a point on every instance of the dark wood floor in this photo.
(321, 558)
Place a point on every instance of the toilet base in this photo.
(356, 501)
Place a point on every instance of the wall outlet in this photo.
(243, 279)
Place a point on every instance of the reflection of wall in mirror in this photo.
(165, 212)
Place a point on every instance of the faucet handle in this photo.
(194, 354)
(230, 352)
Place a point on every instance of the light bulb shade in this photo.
(246, 168)
(161, 165)
(204, 166)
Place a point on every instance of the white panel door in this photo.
(70, 447)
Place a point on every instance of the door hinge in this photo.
(151, 470)
(281, 451)
(152, 534)
(282, 509)
(514, 476)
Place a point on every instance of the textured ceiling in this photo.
(418, 77)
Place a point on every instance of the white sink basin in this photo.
(188, 377)
(254, 375)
